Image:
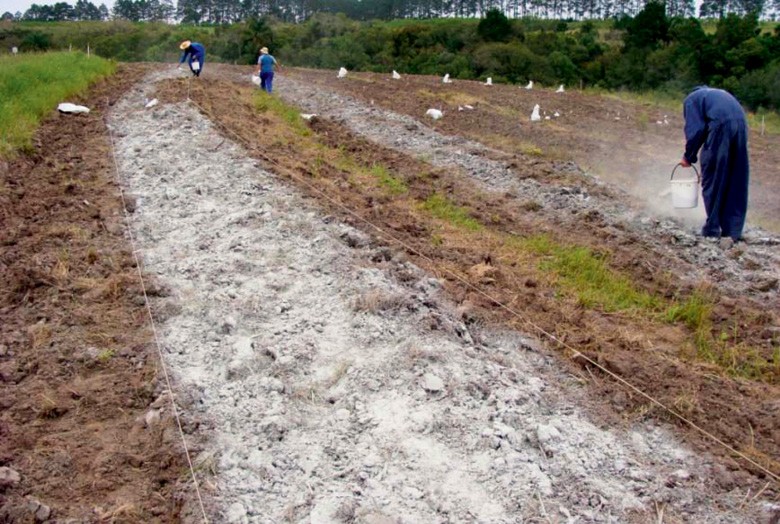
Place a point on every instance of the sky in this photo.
(23, 5)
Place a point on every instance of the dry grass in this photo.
(687, 403)
(375, 301)
(61, 270)
(451, 97)
(205, 463)
(125, 512)
(338, 373)
(508, 143)
(71, 232)
(48, 406)
(39, 335)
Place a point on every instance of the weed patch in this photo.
(394, 185)
(588, 276)
(442, 208)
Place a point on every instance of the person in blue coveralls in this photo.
(195, 53)
(716, 124)
(265, 68)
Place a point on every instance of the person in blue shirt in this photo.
(265, 68)
(195, 53)
(715, 123)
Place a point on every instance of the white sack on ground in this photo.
(67, 107)
(434, 113)
(535, 114)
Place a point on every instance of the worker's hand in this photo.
(178, 67)
(684, 162)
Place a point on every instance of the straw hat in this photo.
(184, 45)
(264, 50)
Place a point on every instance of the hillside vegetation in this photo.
(31, 86)
(650, 51)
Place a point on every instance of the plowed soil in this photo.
(78, 369)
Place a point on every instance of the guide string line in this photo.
(152, 322)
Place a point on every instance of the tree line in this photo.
(232, 11)
(648, 51)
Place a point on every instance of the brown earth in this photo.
(78, 367)
(331, 165)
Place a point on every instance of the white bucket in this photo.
(195, 65)
(685, 193)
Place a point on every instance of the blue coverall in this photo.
(715, 120)
(196, 53)
(266, 63)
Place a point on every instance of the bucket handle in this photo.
(698, 176)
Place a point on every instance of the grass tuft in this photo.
(291, 115)
(588, 276)
(106, 355)
(694, 312)
(441, 207)
(394, 185)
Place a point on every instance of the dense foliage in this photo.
(648, 51)
(231, 11)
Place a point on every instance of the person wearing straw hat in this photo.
(195, 53)
(265, 69)
(715, 123)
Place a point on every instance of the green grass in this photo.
(673, 102)
(670, 101)
(726, 350)
(694, 312)
(106, 355)
(441, 207)
(771, 121)
(588, 276)
(31, 86)
(342, 159)
(291, 115)
(394, 185)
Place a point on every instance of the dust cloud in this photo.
(647, 182)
